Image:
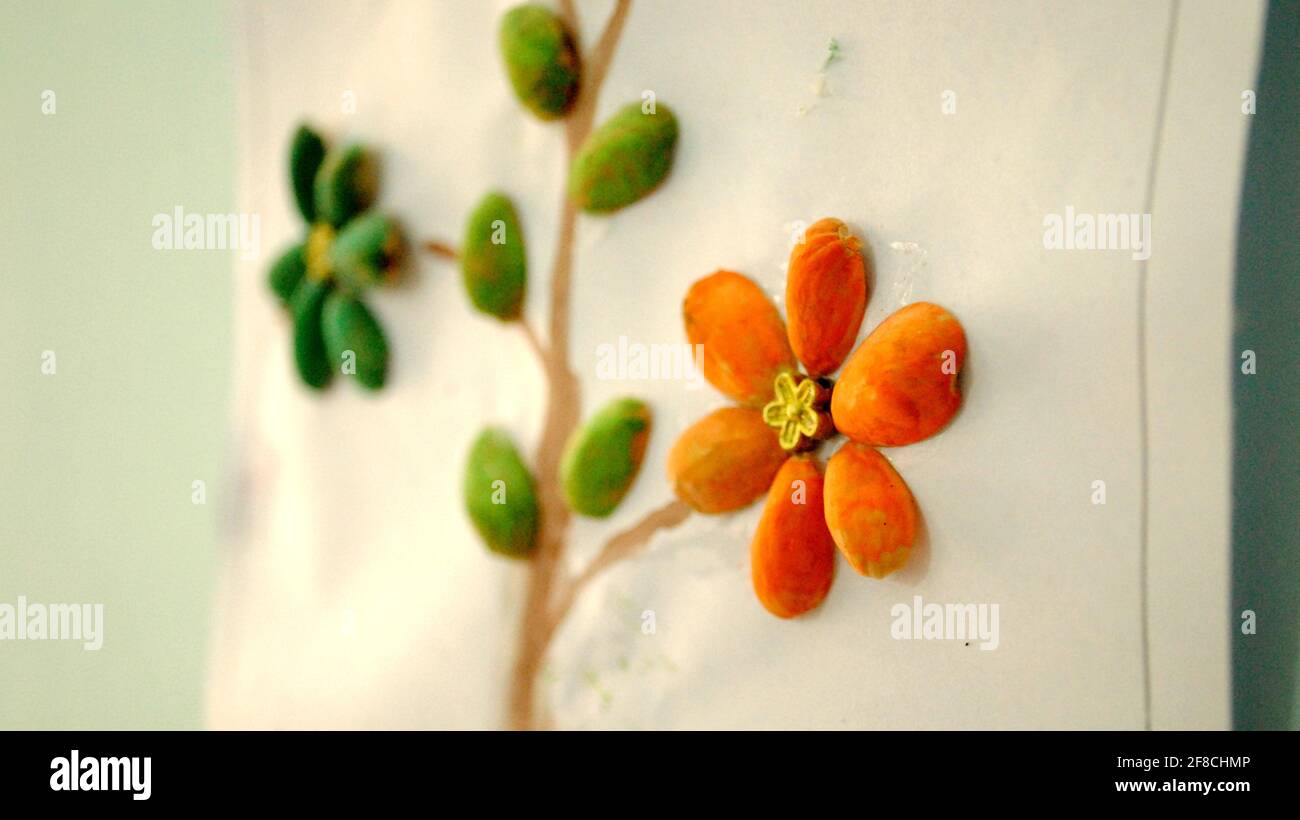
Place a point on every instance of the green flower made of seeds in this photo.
(347, 249)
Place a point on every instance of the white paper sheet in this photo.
(354, 591)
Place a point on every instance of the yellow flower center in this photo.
(791, 412)
(318, 251)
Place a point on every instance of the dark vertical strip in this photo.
(1266, 405)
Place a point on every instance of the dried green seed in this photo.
(602, 459)
(366, 252)
(493, 263)
(541, 60)
(354, 340)
(625, 159)
(500, 495)
(287, 272)
(346, 184)
(306, 153)
(308, 342)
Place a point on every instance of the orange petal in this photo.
(744, 340)
(825, 295)
(792, 557)
(870, 511)
(900, 386)
(725, 460)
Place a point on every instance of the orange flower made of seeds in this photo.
(898, 387)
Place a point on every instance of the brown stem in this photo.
(537, 624)
(442, 249)
(624, 545)
(578, 125)
(536, 633)
(569, 15)
(535, 343)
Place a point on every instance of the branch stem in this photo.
(442, 249)
(535, 343)
(538, 620)
(622, 546)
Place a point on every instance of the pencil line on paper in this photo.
(1143, 423)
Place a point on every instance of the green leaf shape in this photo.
(625, 159)
(306, 153)
(366, 252)
(602, 459)
(493, 263)
(346, 184)
(287, 272)
(349, 326)
(308, 342)
(501, 495)
(541, 60)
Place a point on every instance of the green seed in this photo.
(366, 252)
(346, 184)
(493, 263)
(500, 495)
(541, 60)
(625, 159)
(306, 153)
(602, 459)
(287, 272)
(308, 342)
(354, 338)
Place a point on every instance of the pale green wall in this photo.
(96, 462)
